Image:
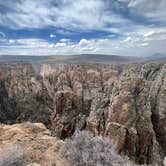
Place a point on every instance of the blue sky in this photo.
(55, 27)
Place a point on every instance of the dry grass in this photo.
(12, 156)
(85, 150)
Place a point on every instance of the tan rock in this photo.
(35, 141)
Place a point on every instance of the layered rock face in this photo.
(25, 94)
(116, 105)
(125, 103)
(76, 89)
(7, 114)
(135, 118)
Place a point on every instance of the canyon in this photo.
(123, 102)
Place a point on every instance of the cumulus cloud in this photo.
(125, 46)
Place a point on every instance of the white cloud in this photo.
(151, 9)
(11, 41)
(145, 34)
(143, 41)
(60, 45)
(144, 44)
(65, 40)
(127, 39)
(70, 15)
(84, 42)
(103, 46)
(52, 35)
(32, 43)
(149, 33)
(156, 34)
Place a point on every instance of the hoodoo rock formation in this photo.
(125, 103)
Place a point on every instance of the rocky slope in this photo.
(30, 144)
(125, 103)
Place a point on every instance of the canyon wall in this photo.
(125, 103)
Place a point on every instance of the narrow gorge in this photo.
(125, 103)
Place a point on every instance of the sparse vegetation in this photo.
(12, 156)
(83, 149)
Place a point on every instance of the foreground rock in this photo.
(29, 144)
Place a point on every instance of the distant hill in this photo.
(81, 58)
(98, 58)
(15, 58)
(157, 57)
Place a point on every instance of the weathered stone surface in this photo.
(24, 95)
(158, 107)
(129, 122)
(8, 113)
(130, 108)
(38, 147)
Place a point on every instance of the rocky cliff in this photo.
(32, 102)
(124, 103)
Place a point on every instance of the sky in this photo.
(62, 27)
